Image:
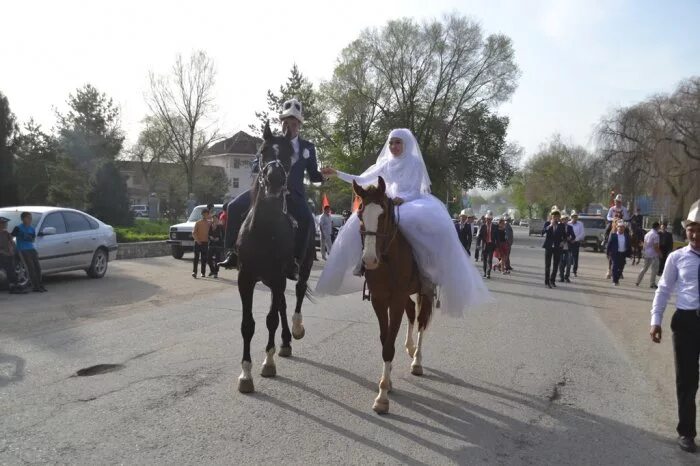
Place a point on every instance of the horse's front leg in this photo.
(286, 348)
(396, 310)
(245, 289)
(269, 369)
(298, 330)
(411, 315)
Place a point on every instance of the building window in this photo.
(236, 163)
(235, 182)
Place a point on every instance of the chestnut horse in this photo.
(392, 277)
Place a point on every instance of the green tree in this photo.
(8, 132)
(37, 153)
(151, 150)
(90, 132)
(67, 183)
(107, 197)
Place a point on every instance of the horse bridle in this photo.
(389, 214)
(262, 181)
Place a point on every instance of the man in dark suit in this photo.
(464, 229)
(618, 250)
(488, 236)
(554, 233)
(303, 162)
(665, 245)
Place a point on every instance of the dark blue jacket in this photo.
(554, 237)
(613, 245)
(464, 232)
(307, 163)
(481, 234)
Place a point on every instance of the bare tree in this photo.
(151, 149)
(182, 103)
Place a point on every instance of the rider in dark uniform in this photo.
(303, 162)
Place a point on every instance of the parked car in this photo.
(67, 239)
(180, 236)
(338, 221)
(594, 230)
(535, 226)
(524, 223)
(139, 210)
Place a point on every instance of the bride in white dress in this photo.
(423, 220)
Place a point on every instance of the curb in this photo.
(143, 249)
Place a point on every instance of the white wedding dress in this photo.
(425, 223)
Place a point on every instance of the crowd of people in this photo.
(208, 234)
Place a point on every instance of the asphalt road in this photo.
(565, 376)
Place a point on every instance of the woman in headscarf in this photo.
(424, 221)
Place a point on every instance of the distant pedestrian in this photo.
(488, 237)
(7, 257)
(26, 235)
(681, 274)
(665, 245)
(618, 208)
(651, 253)
(501, 246)
(566, 260)
(575, 246)
(215, 249)
(618, 251)
(477, 248)
(554, 234)
(509, 240)
(464, 229)
(326, 227)
(200, 234)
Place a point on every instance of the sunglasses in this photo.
(288, 105)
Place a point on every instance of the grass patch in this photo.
(143, 230)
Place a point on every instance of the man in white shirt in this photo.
(580, 235)
(618, 207)
(651, 255)
(682, 273)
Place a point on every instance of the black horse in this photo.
(265, 249)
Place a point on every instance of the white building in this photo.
(235, 155)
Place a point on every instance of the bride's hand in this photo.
(397, 201)
(328, 172)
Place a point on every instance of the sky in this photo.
(579, 59)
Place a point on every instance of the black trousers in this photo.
(552, 256)
(296, 206)
(685, 326)
(574, 249)
(618, 265)
(7, 263)
(662, 261)
(201, 252)
(477, 249)
(564, 264)
(31, 259)
(214, 256)
(487, 257)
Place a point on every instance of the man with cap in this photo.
(565, 262)
(579, 236)
(682, 274)
(303, 162)
(618, 250)
(554, 233)
(464, 229)
(618, 207)
(488, 237)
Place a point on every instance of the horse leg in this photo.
(396, 310)
(286, 348)
(298, 330)
(425, 309)
(411, 314)
(273, 320)
(245, 289)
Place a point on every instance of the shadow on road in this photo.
(11, 369)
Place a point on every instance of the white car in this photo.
(66, 239)
(180, 235)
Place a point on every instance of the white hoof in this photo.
(381, 406)
(298, 331)
(245, 385)
(285, 351)
(268, 370)
(416, 369)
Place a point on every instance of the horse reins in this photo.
(263, 182)
(388, 222)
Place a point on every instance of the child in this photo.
(26, 234)
(7, 257)
(216, 245)
(200, 234)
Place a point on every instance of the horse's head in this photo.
(274, 162)
(376, 222)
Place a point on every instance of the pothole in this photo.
(98, 369)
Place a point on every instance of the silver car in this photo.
(67, 239)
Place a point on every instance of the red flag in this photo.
(325, 202)
(356, 204)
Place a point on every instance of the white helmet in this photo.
(292, 108)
